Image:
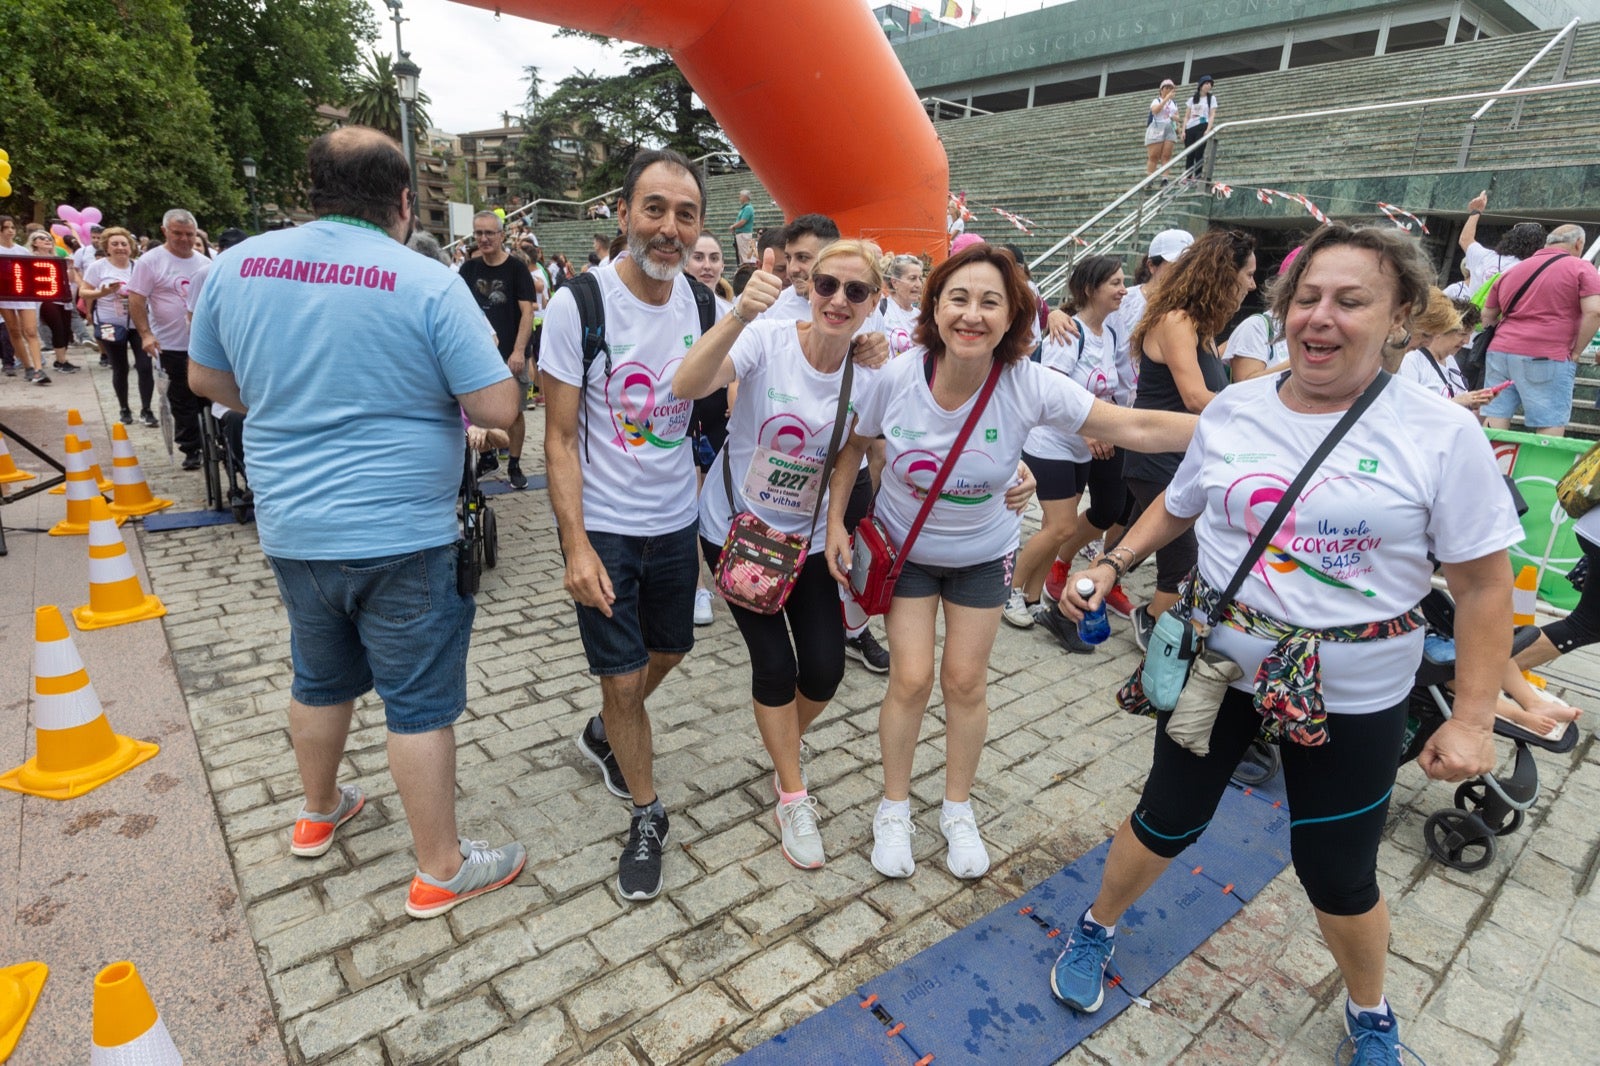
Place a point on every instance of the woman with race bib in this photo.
(1324, 625)
(976, 327)
(1065, 463)
(790, 377)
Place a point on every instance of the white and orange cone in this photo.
(132, 495)
(1525, 597)
(19, 992)
(80, 490)
(8, 474)
(115, 595)
(75, 426)
(127, 1029)
(77, 751)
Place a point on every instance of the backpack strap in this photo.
(592, 319)
(705, 302)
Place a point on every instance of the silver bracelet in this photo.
(743, 321)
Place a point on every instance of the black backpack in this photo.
(592, 318)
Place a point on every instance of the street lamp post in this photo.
(405, 76)
(249, 166)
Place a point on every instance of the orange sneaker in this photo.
(483, 869)
(313, 833)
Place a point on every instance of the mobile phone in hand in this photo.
(1495, 390)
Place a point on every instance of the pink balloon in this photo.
(91, 215)
(68, 213)
(60, 230)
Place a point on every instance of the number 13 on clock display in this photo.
(41, 278)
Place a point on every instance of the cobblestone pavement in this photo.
(1497, 966)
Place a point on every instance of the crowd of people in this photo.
(706, 414)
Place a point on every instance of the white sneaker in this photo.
(891, 844)
(702, 607)
(967, 857)
(1016, 611)
(801, 841)
(1092, 550)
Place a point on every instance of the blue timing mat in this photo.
(161, 521)
(982, 995)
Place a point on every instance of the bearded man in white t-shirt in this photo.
(622, 483)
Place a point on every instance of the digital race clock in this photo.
(42, 278)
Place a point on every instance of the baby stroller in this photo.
(480, 537)
(1462, 837)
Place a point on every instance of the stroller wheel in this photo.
(1259, 764)
(491, 537)
(1474, 796)
(1459, 839)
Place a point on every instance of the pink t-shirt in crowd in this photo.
(163, 280)
(1544, 322)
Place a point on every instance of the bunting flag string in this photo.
(1391, 211)
(1266, 196)
(1222, 191)
(1024, 224)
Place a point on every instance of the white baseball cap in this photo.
(1169, 244)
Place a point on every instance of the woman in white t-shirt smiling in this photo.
(1436, 336)
(103, 283)
(977, 313)
(1325, 626)
(790, 375)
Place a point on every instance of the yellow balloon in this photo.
(3, 156)
(5, 170)
(5, 188)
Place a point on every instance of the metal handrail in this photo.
(1204, 142)
(526, 208)
(939, 101)
(1472, 123)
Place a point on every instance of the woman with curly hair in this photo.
(1179, 370)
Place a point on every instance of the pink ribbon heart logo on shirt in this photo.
(791, 435)
(918, 469)
(644, 409)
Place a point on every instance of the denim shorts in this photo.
(981, 585)
(395, 623)
(653, 580)
(1542, 388)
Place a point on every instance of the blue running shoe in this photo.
(1078, 979)
(1373, 1040)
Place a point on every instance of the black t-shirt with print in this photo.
(498, 290)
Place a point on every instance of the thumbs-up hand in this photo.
(1479, 202)
(762, 290)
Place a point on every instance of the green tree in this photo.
(103, 106)
(375, 99)
(541, 169)
(268, 64)
(650, 105)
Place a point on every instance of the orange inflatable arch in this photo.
(809, 92)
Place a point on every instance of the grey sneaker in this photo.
(639, 869)
(1016, 611)
(801, 839)
(598, 752)
(865, 649)
(483, 869)
(1064, 629)
(314, 833)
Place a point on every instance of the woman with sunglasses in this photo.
(978, 316)
(790, 375)
(1179, 370)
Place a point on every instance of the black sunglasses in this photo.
(857, 292)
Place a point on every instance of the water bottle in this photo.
(1095, 627)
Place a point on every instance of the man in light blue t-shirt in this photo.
(353, 358)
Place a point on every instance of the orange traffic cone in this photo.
(77, 751)
(80, 490)
(127, 1029)
(75, 425)
(19, 991)
(115, 595)
(132, 496)
(10, 473)
(1525, 596)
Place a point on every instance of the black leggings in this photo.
(117, 352)
(57, 318)
(813, 663)
(1338, 796)
(1108, 493)
(1582, 626)
(1190, 136)
(1177, 558)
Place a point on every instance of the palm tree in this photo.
(375, 100)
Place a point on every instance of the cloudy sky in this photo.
(472, 63)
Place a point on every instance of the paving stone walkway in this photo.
(1497, 966)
